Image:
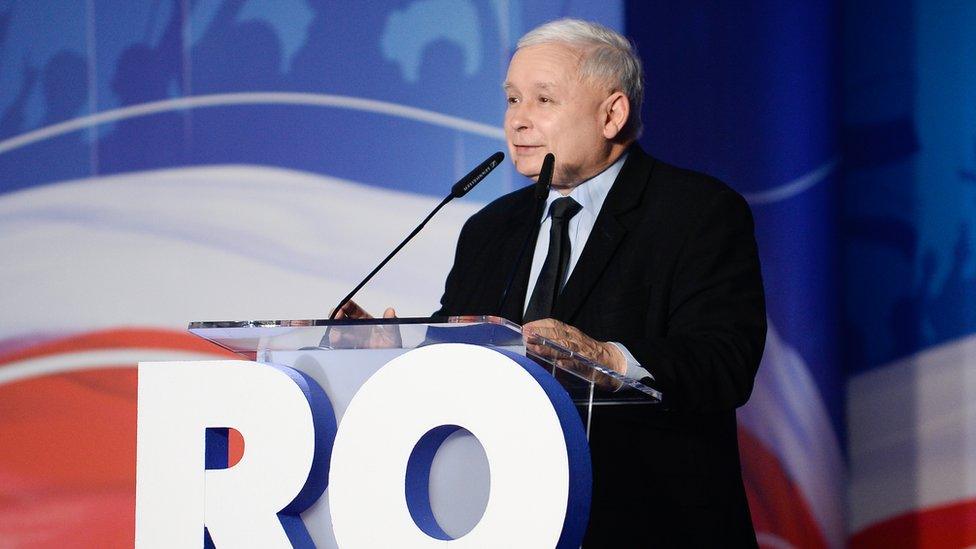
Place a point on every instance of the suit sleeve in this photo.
(452, 289)
(716, 327)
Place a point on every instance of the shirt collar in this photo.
(591, 193)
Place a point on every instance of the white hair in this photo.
(607, 57)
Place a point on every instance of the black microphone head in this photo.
(475, 176)
(545, 177)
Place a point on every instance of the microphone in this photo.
(542, 186)
(475, 176)
(545, 178)
(458, 190)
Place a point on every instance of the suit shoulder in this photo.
(674, 180)
(691, 191)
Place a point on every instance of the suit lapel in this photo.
(522, 222)
(608, 232)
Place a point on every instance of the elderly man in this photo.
(643, 266)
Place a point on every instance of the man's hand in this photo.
(571, 338)
(363, 337)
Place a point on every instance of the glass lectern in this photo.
(342, 355)
(319, 347)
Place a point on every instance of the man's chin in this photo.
(529, 161)
(530, 171)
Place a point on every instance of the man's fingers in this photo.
(352, 310)
(542, 324)
(344, 311)
(544, 327)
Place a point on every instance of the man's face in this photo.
(551, 109)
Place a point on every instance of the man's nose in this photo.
(518, 118)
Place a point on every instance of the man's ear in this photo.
(616, 110)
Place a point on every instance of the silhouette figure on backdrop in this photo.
(4, 24)
(907, 314)
(145, 74)
(239, 56)
(952, 312)
(900, 237)
(342, 52)
(64, 86)
(234, 55)
(442, 61)
(14, 117)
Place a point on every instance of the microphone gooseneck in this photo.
(542, 186)
(458, 190)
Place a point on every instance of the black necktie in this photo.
(550, 280)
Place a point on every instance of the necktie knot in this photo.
(564, 208)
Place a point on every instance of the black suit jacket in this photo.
(671, 271)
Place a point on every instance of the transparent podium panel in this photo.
(287, 341)
(341, 355)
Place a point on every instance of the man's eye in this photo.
(512, 100)
(544, 99)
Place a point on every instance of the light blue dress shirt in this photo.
(591, 195)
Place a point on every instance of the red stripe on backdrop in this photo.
(942, 527)
(68, 443)
(778, 508)
(67, 463)
(12, 344)
(122, 338)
